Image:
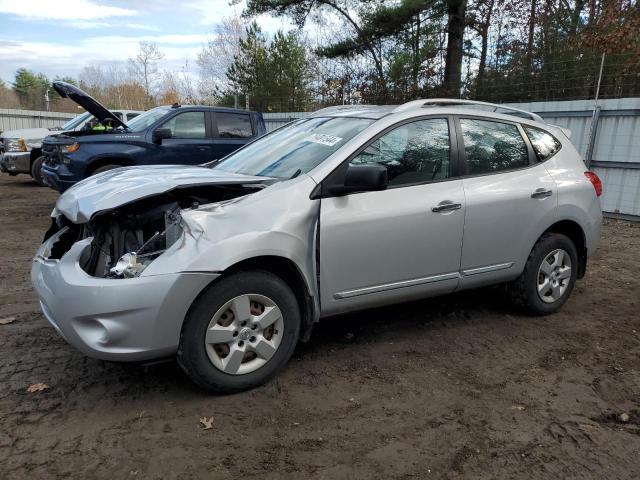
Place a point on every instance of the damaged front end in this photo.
(127, 239)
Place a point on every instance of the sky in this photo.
(60, 37)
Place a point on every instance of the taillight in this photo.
(595, 181)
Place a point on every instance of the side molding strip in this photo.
(394, 285)
(420, 281)
(487, 269)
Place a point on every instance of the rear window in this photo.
(234, 125)
(543, 143)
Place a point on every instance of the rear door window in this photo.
(187, 125)
(234, 125)
(543, 143)
(492, 146)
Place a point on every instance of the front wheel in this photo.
(240, 332)
(36, 171)
(548, 277)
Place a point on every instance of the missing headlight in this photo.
(124, 244)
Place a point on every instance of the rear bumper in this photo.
(15, 162)
(113, 319)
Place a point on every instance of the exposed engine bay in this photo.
(127, 239)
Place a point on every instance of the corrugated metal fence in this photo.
(11, 119)
(615, 154)
(276, 120)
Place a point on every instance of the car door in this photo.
(403, 242)
(191, 141)
(509, 197)
(232, 131)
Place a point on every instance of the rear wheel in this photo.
(240, 332)
(548, 277)
(36, 171)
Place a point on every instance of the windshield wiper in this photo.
(298, 172)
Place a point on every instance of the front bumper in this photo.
(15, 162)
(59, 177)
(113, 319)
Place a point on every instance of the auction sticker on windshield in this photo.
(322, 139)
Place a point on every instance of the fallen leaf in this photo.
(37, 387)
(518, 407)
(207, 423)
(7, 320)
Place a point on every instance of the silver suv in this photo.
(229, 264)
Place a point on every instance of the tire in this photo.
(36, 171)
(105, 168)
(222, 367)
(529, 290)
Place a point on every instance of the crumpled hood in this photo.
(118, 187)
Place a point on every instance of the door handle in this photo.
(541, 193)
(446, 206)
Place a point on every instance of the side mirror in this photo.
(160, 134)
(362, 178)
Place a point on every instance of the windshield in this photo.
(302, 146)
(74, 122)
(146, 119)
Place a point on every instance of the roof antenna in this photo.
(175, 105)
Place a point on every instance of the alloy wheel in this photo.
(554, 276)
(244, 334)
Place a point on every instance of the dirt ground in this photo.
(455, 387)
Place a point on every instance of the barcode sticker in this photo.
(328, 140)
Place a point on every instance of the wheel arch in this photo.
(288, 272)
(576, 234)
(35, 153)
(110, 160)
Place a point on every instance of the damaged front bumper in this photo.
(129, 319)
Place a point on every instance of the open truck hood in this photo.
(86, 101)
(121, 186)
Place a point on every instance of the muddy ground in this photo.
(456, 387)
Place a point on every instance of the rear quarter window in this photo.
(544, 144)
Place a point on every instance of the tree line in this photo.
(377, 51)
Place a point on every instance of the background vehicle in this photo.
(21, 150)
(227, 267)
(189, 135)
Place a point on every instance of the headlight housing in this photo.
(15, 145)
(69, 149)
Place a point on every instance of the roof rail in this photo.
(434, 102)
(341, 108)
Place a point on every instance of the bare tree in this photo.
(145, 65)
(219, 53)
(8, 98)
(178, 86)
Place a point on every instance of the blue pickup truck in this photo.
(177, 134)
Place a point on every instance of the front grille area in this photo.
(51, 154)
